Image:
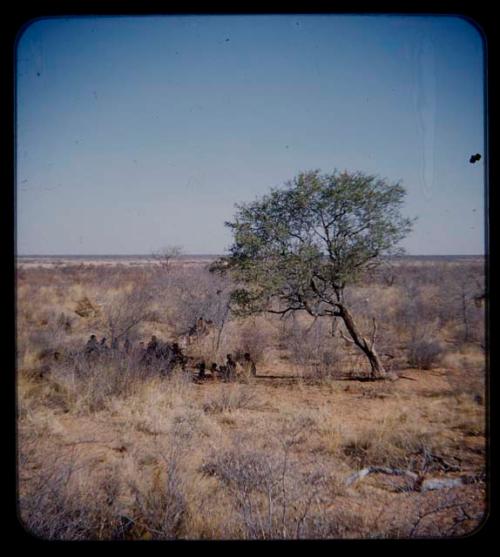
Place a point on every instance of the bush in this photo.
(254, 340)
(60, 506)
(312, 348)
(228, 399)
(272, 495)
(424, 353)
(91, 382)
(161, 509)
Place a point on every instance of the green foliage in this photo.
(301, 245)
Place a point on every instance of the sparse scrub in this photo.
(230, 398)
(59, 507)
(160, 508)
(393, 442)
(254, 338)
(424, 353)
(312, 349)
(111, 447)
(275, 497)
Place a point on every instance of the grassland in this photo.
(109, 448)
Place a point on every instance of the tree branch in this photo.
(374, 333)
(346, 338)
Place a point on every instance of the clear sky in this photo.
(135, 133)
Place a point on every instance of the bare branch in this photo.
(374, 333)
(346, 338)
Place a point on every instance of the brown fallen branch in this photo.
(405, 377)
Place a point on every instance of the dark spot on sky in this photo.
(227, 40)
(38, 74)
(286, 146)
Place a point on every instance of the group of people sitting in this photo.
(154, 351)
(171, 355)
(230, 370)
(162, 351)
(95, 347)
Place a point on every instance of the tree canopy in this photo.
(298, 247)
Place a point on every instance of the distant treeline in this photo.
(211, 257)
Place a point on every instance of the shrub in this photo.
(60, 507)
(228, 399)
(90, 382)
(312, 348)
(162, 508)
(274, 496)
(254, 340)
(424, 353)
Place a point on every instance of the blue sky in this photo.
(138, 133)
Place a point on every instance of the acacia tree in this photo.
(297, 248)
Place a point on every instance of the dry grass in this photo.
(111, 449)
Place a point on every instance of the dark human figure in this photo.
(103, 347)
(114, 344)
(201, 326)
(214, 370)
(141, 350)
(152, 346)
(141, 354)
(223, 372)
(126, 345)
(177, 356)
(249, 365)
(230, 368)
(201, 370)
(166, 352)
(91, 345)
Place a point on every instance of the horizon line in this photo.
(183, 255)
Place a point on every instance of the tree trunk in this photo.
(219, 331)
(368, 348)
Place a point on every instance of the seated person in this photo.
(201, 370)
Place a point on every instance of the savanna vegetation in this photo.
(370, 426)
